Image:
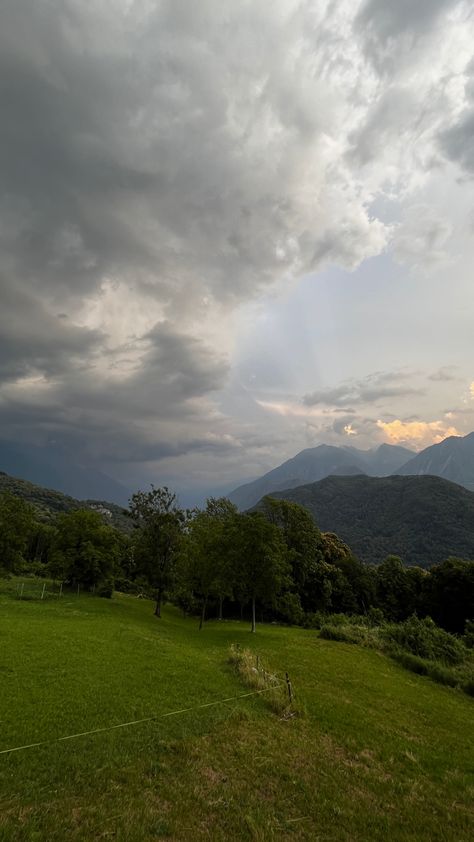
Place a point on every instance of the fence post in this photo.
(290, 689)
(44, 588)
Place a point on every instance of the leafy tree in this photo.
(17, 523)
(85, 549)
(207, 563)
(301, 536)
(158, 541)
(394, 595)
(448, 594)
(260, 559)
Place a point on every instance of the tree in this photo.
(302, 538)
(448, 594)
(207, 564)
(159, 523)
(17, 522)
(260, 559)
(85, 549)
(393, 589)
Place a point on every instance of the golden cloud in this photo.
(419, 433)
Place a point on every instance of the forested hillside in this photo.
(422, 519)
(49, 503)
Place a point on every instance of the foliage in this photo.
(260, 559)
(158, 539)
(423, 638)
(449, 594)
(256, 676)
(85, 549)
(206, 569)
(47, 503)
(16, 528)
(421, 519)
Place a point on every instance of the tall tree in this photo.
(260, 559)
(17, 523)
(159, 522)
(207, 564)
(85, 549)
(301, 536)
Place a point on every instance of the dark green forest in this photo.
(423, 519)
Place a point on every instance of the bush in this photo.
(343, 634)
(105, 590)
(425, 639)
(469, 634)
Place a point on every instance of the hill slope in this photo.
(421, 519)
(451, 459)
(380, 753)
(318, 462)
(49, 502)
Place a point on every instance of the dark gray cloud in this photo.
(154, 411)
(388, 27)
(370, 389)
(161, 163)
(457, 142)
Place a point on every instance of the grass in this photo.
(380, 753)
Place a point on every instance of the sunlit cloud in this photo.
(417, 433)
(349, 430)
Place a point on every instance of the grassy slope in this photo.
(381, 753)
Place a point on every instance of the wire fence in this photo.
(43, 589)
(152, 718)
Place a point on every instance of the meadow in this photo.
(375, 752)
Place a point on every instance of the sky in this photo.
(231, 230)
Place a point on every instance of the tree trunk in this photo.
(221, 600)
(158, 605)
(203, 613)
(253, 613)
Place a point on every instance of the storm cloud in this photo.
(166, 163)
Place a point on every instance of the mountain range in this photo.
(423, 519)
(451, 459)
(315, 463)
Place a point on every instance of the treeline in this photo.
(273, 564)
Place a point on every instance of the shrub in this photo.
(343, 634)
(469, 634)
(254, 675)
(105, 589)
(425, 639)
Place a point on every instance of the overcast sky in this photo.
(231, 229)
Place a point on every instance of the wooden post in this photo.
(61, 589)
(42, 592)
(78, 587)
(290, 689)
(21, 589)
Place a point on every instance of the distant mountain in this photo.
(422, 519)
(451, 459)
(49, 503)
(53, 466)
(318, 462)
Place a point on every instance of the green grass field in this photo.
(379, 754)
